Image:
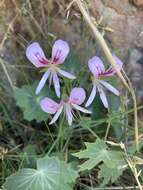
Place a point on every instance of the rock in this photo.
(124, 19)
(134, 66)
(138, 3)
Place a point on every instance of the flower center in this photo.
(50, 66)
(65, 98)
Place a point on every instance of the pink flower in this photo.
(76, 98)
(36, 55)
(97, 68)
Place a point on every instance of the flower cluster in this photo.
(52, 71)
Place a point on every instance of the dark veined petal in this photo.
(60, 51)
(96, 66)
(36, 55)
(111, 70)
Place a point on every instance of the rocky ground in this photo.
(22, 21)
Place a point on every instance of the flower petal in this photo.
(110, 87)
(118, 61)
(42, 82)
(36, 55)
(96, 66)
(77, 107)
(56, 116)
(77, 96)
(66, 74)
(56, 84)
(69, 114)
(111, 71)
(49, 106)
(91, 97)
(103, 97)
(60, 51)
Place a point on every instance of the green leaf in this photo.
(28, 156)
(51, 174)
(72, 63)
(96, 108)
(99, 152)
(132, 148)
(28, 101)
(92, 149)
(113, 100)
(109, 174)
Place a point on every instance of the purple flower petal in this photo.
(50, 79)
(118, 61)
(69, 114)
(66, 74)
(56, 116)
(77, 107)
(77, 96)
(49, 106)
(42, 82)
(56, 84)
(111, 71)
(110, 87)
(60, 51)
(91, 97)
(36, 55)
(96, 66)
(103, 97)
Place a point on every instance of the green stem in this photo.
(61, 133)
(107, 131)
(57, 141)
